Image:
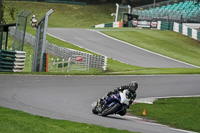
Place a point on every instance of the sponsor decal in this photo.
(154, 24)
(79, 58)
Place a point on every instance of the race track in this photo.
(112, 48)
(70, 97)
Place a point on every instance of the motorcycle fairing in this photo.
(124, 97)
(110, 101)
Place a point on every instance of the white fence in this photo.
(76, 62)
(96, 61)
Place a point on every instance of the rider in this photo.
(132, 87)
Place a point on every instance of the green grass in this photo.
(20, 122)
(67, 15)
(181, 113)
(116, 68)
(167, 43)
(72, 16)
(77, 16)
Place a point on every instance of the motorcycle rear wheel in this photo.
(110, 110)
(122, 113)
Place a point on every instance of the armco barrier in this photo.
(64, 53)
(12, 61)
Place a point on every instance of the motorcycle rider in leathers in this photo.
(132, 87)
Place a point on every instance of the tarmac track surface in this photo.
(112, 48)
(70, 97)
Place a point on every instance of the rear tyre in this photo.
(123, 112)
(110, 110)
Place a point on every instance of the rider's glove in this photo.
(109, 93)
(116, 91)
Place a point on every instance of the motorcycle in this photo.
(113, 104)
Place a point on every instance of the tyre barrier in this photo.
(12, 61)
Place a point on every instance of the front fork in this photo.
(100, 105)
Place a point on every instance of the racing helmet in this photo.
(133, 86)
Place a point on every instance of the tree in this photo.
(1, 11)
(10, 10)
(125, 2)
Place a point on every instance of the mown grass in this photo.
(76, 16)
(12, 121)
(180, 113)
(168, 43)
(114, 67)
(164, 42)
(66, 15)
(176, 112)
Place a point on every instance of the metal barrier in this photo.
(12, 61)
(20, 31)
(65, 53)
(96, 61)
(76, 62)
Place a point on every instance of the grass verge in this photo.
(180, 113)
(66, 15)
(20, 122)
(167, 43)
(78, 16)
(113, 67)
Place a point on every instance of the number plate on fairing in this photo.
(124, 98)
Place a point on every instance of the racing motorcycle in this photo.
(113, 104)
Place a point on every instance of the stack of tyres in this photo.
(166, 25)
(12, 61)
(198, 35)
(7, 59)
(180, 28)
(189, 32)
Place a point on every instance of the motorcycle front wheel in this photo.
(110, 110)
(94, 111)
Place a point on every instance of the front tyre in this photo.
(94, 111)
(110, 110)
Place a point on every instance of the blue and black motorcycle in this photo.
(113, 104)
